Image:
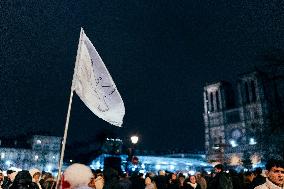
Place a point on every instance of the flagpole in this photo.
(68, 113)
(64, 138)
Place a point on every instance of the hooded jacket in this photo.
(32, 172)
(23, 180)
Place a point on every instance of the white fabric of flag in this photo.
(94, 85)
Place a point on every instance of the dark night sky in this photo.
(160, 54)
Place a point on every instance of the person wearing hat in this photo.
(77, 176)
(7, 180)
(35, 173)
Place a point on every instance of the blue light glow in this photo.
(158, 167)
(49, 168)
(233, 143)
(252, 141)
(156, 163)
(8, 162)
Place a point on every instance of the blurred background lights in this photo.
(191, 172)
(158, 167)
(252, 141)
(49, 168)
(233, 143)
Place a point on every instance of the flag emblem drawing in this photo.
(94, 85)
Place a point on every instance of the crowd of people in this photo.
(79, 176)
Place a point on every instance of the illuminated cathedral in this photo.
(247, 126)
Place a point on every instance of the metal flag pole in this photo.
(68, 113)
(64, 139)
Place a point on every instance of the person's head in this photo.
(1, 175)
(98, 172)
(135, 160)
(219, 168)
(192, 179)
(77, 175)
(99, 182)
(150, 174)
(23, 178)
(162, 173)
(249, 176)
(35, 173)
(275, 171)
(173, 176)
(198, 175)
(9, 172)
(181, 178)
(13, 176)
(257, 171)
(148, 181)
(47, 176)
(141, 175)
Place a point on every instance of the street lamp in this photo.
(134, 139)
(132, 161)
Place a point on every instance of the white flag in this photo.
(94, 85)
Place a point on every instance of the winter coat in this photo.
(137, 182)
(174, 184)
(49, 184)
(8, 181)
(188, 186)
(161, 182)
(258, 180)
(124, 183)
(268, 185)
(23, 180)
(111, 178)
(221, 180)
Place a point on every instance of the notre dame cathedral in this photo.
(247, 126)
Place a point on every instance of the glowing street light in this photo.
(134, 139)
(131, 150)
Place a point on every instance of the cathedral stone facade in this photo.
(236, 129)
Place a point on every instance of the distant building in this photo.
(112, 146)
(40, 152)
(246, 130)
(186, 163)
